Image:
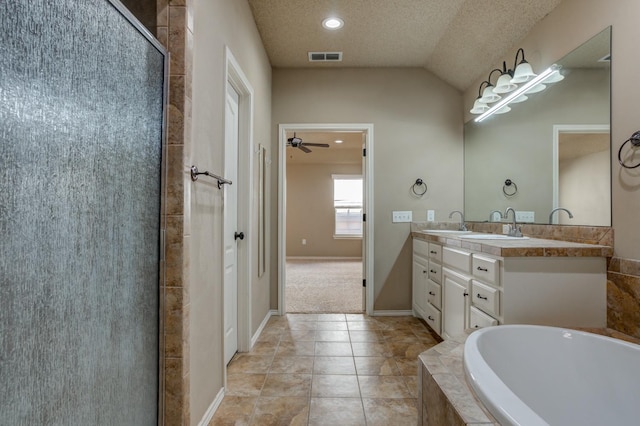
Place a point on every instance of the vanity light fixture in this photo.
(516, 80)
(528, 87)
(333, 23)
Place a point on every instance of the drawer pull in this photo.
(424, 271)
(432, 293)
(480, 268)
(430, 318)
(476, 326)
(433, 252)
(432, 271)
(479, 296)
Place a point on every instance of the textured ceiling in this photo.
(457, 40)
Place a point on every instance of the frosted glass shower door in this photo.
(81, 114)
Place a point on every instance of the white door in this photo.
(364, 224)
(231, 232)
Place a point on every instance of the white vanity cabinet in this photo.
(465, 288)
(427, 278)
(420, 276)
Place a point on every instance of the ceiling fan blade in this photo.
(304, 148)
(322, 145)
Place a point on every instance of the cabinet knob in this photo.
(424, 271)
(465, 294)
(430, 318)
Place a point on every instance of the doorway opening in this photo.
(581, 174)
(325, 235)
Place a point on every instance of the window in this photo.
(347, 204)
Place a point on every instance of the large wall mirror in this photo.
(555, 148)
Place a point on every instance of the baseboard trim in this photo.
(208, 415)
(322, 258)
(262, 325)
(392, 313)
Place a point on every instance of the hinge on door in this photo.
(364, 217)
(364, 283)
(364, 152)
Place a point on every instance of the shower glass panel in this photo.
(81, 116)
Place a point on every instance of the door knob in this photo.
(238, 235)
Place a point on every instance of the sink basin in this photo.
(492, 237)
(444, 231)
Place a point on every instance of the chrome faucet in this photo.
(491, 215)
(462, 227)
(514, 231)
(555, 210)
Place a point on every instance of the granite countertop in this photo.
(517, 248)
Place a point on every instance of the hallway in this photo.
(328, 369)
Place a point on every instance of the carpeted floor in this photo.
(327, 286)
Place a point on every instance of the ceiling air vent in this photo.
(325, 56)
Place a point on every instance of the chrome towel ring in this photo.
(635, 142)
(417, 188)
(508, 184)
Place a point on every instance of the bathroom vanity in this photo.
(461, 283)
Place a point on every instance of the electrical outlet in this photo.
(401, 216)
(431, 215)
(525, 216)
(505, 229)
(304, 241)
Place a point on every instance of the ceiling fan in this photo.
(296, 142)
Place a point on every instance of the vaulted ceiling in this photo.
(457, 40)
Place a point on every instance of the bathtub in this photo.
(535, 375)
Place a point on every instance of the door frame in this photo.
(237, 79)
(367, 255)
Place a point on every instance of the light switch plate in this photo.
(431, 215)
(401, 216)
(525, 216)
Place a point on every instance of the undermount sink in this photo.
(444, 231)
(492, 237)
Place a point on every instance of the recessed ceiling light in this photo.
(333, 23)
(338, 141)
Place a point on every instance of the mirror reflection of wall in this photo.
(521, 145)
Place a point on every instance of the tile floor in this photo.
(328, 369)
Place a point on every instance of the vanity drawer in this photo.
(432, 317)
(485, 297)
(460, 260)
(435, 272)
(435, 252)
(486, 269)
(434, 294)
(478, 319)
(420, 248)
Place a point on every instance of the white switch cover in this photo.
(525, 216)
(401, 216)
(431, 215)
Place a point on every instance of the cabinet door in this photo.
(419, 286)
(455, 310)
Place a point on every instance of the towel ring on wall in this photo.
(507, 184)
(417, 188)
(635, 142)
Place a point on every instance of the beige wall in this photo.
(566, 27)
(218, 24)
(310, 212)
(417, 123)
(584, 185)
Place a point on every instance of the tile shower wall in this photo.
(175, 31)
(81, 107)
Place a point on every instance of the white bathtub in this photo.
(534, 375)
